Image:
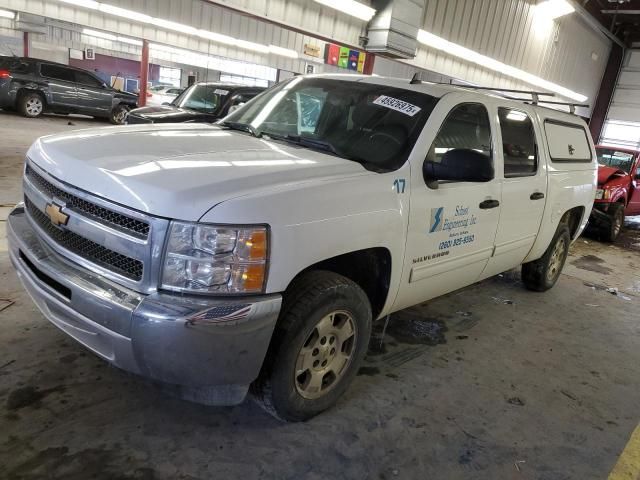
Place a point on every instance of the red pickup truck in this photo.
(618, 193)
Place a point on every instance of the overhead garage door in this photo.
(622, 127)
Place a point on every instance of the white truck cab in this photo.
(258, 251)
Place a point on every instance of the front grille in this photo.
(102, 256)
(113, 219)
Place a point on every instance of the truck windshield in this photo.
(615, 158)
(202, 98)
(375, 125)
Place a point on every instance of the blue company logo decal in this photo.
(436, 220)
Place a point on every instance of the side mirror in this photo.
(461, 165)
(233, 108)
(105, 86)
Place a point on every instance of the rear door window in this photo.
(518, 143)
(57, 72)
(568, 142)
(83, 78)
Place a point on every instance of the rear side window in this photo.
(83, 78)
(518, 143)
(466, 127)
(568, 142)
(59, 73)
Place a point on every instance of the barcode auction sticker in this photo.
(218, 91)
(397, 105)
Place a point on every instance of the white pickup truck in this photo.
(257, 252)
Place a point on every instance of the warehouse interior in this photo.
(313, 239)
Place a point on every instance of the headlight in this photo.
(203, 258)
(599, 194)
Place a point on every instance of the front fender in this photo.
(315, 221)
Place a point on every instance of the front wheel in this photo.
(542, 274)
(318, 346)
(616, 220)
(119, 114)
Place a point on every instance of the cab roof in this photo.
(440, 90)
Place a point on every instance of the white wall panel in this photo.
(567, 52)
(305, 15)
(196, 13)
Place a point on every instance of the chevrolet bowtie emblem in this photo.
(54, 211)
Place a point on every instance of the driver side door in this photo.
(452, 229)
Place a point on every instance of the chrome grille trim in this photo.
(114, 261)
(113, 219)
(117, 241)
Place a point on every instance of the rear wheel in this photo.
(119, 114)
(542, 274)
(31, 104)
(616, 215)
(318, 346)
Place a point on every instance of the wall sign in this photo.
(312, 50)
(344, 57)
(89, 53)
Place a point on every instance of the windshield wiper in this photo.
(308, 142)
(243, 127)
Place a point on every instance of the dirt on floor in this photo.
(490, 382)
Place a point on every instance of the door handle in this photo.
(537, 196)
(487, 204)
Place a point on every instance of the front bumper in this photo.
(209, 349)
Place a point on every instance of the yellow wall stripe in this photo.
(628, 466)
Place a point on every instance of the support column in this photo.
(605, 94)
(25, 44)
(144, 74)
(369, 61)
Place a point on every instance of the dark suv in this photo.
(33, 86)
(201, 102)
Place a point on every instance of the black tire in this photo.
(542, 274)
(611, 231)
(118, 114)
(313, 298)
(31, 104)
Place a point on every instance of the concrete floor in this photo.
(492, 382)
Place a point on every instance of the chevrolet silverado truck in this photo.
(618, 193)
(254, 254)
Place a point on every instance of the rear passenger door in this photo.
(93, 97)
(61, 85)
(524, 188)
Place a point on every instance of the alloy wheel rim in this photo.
(120, 116)
(34, 106)
(617, 225)
(555, 264)
(325, 355)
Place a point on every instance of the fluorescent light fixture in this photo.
(285, 52)
(96, 33)
(83, 3)
(179, 27)
(483, 61)
(113, 38)
(350, 7)
(123, 12)
(554, 8)
(130, 41)
(7, 14)
(516, 116)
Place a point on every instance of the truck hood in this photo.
(605, 173)
(180, 170)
